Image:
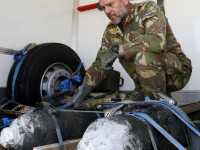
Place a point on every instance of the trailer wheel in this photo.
(42, 71)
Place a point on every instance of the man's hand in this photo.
(121, 51)
(110, 56)
(79, 96)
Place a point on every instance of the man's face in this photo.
(115, 10)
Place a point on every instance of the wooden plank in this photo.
(2, 148)
(68, 145)
(190, 108)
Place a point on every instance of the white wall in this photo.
(28, 21)
(40, 21)
(183, 15)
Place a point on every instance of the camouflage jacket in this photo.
(146, 29)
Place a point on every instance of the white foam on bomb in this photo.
(104, 134)
(14, 134)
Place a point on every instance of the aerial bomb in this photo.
(124, 132)
(35, 129)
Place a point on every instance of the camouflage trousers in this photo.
(160, 72)
(94, 76)
(150, 72)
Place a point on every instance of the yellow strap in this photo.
(30, 48)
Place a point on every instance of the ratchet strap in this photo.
(73, 79)
(148, 128)
(20, 56)
(160, 129)
(58, 131)
(50, 109)
(80, 111)
(18, 110)
(194, 133)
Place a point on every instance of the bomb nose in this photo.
(9, 138)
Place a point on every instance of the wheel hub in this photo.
(52, 78)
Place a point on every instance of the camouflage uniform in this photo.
(153, 58)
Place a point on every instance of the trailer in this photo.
(27, 83)
(191, 110)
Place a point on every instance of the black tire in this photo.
(28, 82)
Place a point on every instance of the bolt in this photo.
(98, 106)
(171, 102)
(49, 111)
(107, 114)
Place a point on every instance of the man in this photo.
(146, 47)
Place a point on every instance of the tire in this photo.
(42, 71)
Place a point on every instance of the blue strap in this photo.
(62, 102)
(181, 118)
(6, 122)
(80, 66)
(59, 135)
(79, 111)
(29, 111)
(18, 55)
(15, 75)
(109, 105)
(98, 115)
(147, 98)
(194, 133)
(51, 101)
(149, 130)
(68, 83)
(174, 109)
(77, 78)
(20, 59)
(160, 129)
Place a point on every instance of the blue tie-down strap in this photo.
(98, 115)
(68, 83)
(29, 111)
(5, 122)
(80, 66)
(62, 102)
(51, 101)
(109, 105)
(77, 78)
(159, 128)
(147, 98)
(194, 133)
(148, 128)
(19, 56)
